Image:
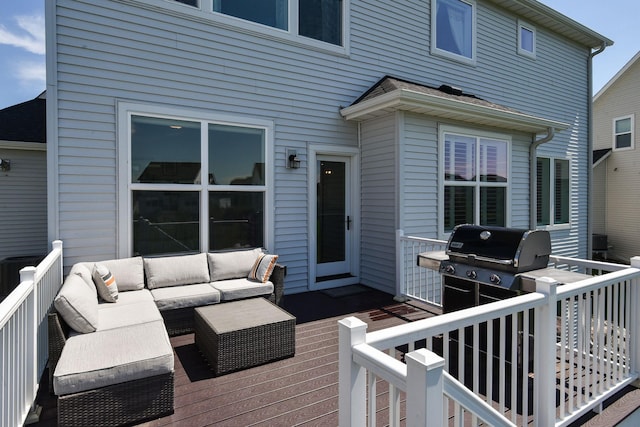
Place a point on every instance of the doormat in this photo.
(345, 291)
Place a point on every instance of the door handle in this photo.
(348, 222)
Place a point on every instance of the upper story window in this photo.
(453, 29)
(526, 39)
(193, 3)
(273, 13)
(476, 178)
(623, 133)
(315, 19)
(552, 192)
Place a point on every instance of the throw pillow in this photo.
(105, 283)
(262, 268)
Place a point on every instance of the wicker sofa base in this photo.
(118, 404)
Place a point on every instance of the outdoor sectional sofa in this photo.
(111, 363)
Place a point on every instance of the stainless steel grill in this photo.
(483, 264)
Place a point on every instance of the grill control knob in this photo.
(471, 274)
(494, 278)
(450, 269)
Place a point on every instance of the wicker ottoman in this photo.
(241, 334)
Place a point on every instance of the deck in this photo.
(302, 390)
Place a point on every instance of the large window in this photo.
(453, 29)
(315, 19)
(553, 187)
(476, 179)
(623, 133)
(195, 185)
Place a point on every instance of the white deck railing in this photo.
(478, 365)
(412, 281)
(23, 336)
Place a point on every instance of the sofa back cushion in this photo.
(81, 269)
(128, 272)
(176, 270)
(232, 265)
(77, 305)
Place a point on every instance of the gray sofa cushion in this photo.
(185, 296)
(113, 356)
(112, 316)
(241, 288)
(232, 265)
(132, 297)
(177, 270)
(128, 272)
(77, 304)
(82, 270)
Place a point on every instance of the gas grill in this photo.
(483, 264)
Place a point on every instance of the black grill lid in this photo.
(518, 248)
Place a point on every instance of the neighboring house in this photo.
(23, 187)
(322, 127)
(616, 163)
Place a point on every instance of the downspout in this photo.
(533, 184)
(603, 46)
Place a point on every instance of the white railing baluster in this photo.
(592, 340)
(372, 400)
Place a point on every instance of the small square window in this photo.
(623, 133)
(526, 39)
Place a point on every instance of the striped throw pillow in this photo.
(105, 283)
(262, 268)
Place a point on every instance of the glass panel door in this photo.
(333, 220)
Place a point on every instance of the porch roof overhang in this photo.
(392, 94)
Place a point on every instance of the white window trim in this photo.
(478, 134)
(552, 196)
(527, 26)
(124, 227)
(449, 55)
(204, 13)
(632, 128)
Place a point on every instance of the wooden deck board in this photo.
(298, 391)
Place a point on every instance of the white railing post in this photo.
(400, 284)
(352, 378)
(28, 274)
(56, 245)
(425, 384)
(545, 359)
(635, 319)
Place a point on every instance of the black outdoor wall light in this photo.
(293, 162)
(5, 165)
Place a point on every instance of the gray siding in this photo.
(379, 202)
(114, 50)
(23, 216)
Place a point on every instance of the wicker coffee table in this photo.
(241, 334)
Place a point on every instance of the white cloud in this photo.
(31, 73)
(30, 37)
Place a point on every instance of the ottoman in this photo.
(241, 334)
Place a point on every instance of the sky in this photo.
(22, 42)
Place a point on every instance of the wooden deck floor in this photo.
(302, 390)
